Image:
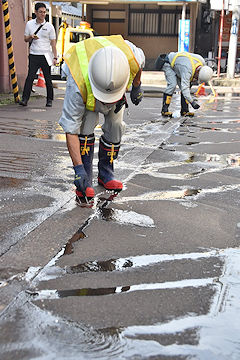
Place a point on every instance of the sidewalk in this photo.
(221, 85)
(150, 79)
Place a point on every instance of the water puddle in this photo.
(124, 217)
(161, 195)
(76, 237)
(178, 194)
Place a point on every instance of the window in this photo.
(108, 22)
(161, 21)
(77, 36)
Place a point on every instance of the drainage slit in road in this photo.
(58, 294)
(121, 264)
(96, 266)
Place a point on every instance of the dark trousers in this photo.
(36, 62)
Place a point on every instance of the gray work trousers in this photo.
(171, 78)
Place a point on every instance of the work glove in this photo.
(195, 105)
(136, 94)
(81, 179)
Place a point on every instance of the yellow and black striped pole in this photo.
(10, 50)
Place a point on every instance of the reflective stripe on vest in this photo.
(78, 56)
(191, 59)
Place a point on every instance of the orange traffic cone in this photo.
(201, 90)
(41, 80)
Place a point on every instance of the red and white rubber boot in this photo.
(87, 152)
(107, 153)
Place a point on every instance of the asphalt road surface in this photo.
(152, 273)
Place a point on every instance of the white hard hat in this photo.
(108, 73)
(205, 74)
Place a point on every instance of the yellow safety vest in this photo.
(191, 59)
(78, 56)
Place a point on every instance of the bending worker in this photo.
(99, 70)
(181, 68)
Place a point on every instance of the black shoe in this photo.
(23, 102)
(49, 103)
(166, 113)
(187, 113)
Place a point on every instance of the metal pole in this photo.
(220, 42)
(50, 12)
(184, 11)
(10, 50)
(83, 8)
(232, 50)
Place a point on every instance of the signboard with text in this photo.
(227, 28)
(184, 33)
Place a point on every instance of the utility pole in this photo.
(220, 41)
(50, 12)
(232, 50)
(10, 50)
(184, 11)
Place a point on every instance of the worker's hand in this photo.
(136, 94)
(195, 105)
(81, 179)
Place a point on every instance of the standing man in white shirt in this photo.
(41, 37)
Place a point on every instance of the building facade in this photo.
(151, 25)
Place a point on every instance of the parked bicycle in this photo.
(213, 64)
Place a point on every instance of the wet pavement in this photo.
(152, 273)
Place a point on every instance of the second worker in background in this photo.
(182, 68)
